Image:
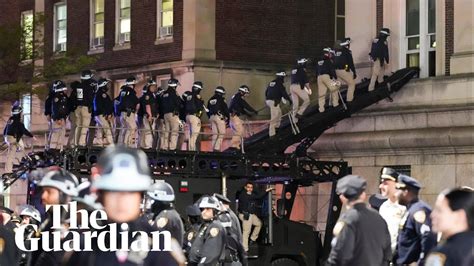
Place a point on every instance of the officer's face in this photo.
(444, 219)
(387, 188)
(50, 196)
(207, 214)
(121, 206)
(402, 196)
(249, 188)
(25, 220)
(152, 88)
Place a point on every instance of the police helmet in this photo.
(302, 61)
(161, 191)
(31, 212)
(62, 180)
(173, 83)
(102, 82)
(385, 31)
(281, 73)
(85, 197)
(123, 169)
(209, 202)
(131, 81)
(86, 74)
(16, 110)
(220, 90)
(245, 89)
(151, 82)
(197, 86)
(346, 41)
(58, 86)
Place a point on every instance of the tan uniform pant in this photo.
(325, 83)
(218, 131)
(377, 74)
(296, 94)
(129, 131)
(171, 130)
(247, 228)
(13, 145)
(275, 117)
(72, 131)
(237, 127)
(106, 129)
(57, 134)
(194, 124)
(146, 133)
(348, 78)
(83, 119)
(163, 143)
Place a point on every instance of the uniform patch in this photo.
(2, 245)
(435, 259)
(293, 71)
(214, 232)
(213, 101)
(272, 84)
(147, 97)
(338, 228)
(190, 236)
(56, 100)
(104, 95)
(162, 222)
(420, 216)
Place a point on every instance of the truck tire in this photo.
(284, 262)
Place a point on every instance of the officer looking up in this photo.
(390, 210)
(238, 106)
(218, 117)
(147, 114)
(59, 113)
(128, 106)
(327, 80)
(171, 104)
(379, 55)
(193, 109)
(208, 246)
(275, 94)
(13, 132)
(452, 216)
(299, 88)
(345, 68)
(83, 97)
(415, 238)
(248, 202)
(104, 109)
(360, 236)
(166, 218)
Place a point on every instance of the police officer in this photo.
(327, 80)
(299, 88)
(13, 132)
(345, 68)
(238, 106)
(379, 55)
(59, 113)
(192, 226)
(147, 114)
(129, 104)
(194, 108)
(28, 215)
(452, 217)
(390, 210)
(9, 253)
(72, 117)
(415, 238)
(208, 246)
(104, 109)
(171, 104)
(162, 142)
(83, 97)
(275, 94)
(360, 236)
(218, 117)
(58, 187)
(124, 178)
(166, 217)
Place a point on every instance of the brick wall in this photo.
(379, 18)
(449, 41)
(273, 31)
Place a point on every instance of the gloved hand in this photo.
(308, 90)
(181, 124)
(283, 100)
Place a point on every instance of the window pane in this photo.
(414, 43)
(99, 30)
(167, 5)
(62, 34)
(167, 19)
(341, 8)
(413, 17)
(61, 12)
(124, 3)
(433, 41)
(413, 60)
(62, 24)
(124, 25)
(99, 17)
(99, 6)
(431, 16)
(125, 12)
(341, 28)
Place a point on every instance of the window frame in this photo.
(26, 105)
(336, 17)
(119, 44)
(93, 23)
(159, 37)
(24, 39)
(55, 28)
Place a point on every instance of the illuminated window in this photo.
(340, 19)
(26, 106)
(97, 24)
(165, 19)
(123, 23)
(27, 35)
(60, 27)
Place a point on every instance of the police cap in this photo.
(4, 209)
(351, 186)
(385, 31)
(405, 181)
(345, 41)
(388, 173)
